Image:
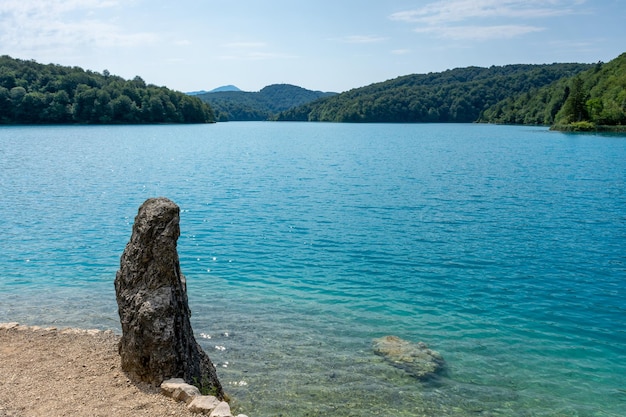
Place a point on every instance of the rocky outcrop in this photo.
(415, 358)
(157, 340)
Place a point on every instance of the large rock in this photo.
(157, 340)
(415, 358)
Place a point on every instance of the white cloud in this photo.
(446, 11)
(362, 39)
(401, 51)
(32, 25)
(480, 33)
(51, 7)
(250, 51)
(244, 45)
(444, 18)
(183, 42)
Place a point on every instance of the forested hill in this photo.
(596, 97)
(262, 105)
(32, 93)
(458, 95)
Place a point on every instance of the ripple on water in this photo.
(500, 247)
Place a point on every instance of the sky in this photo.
(191, 45)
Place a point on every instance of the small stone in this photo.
(203, 404)
(186, 393)
(222, 410)
(179, 390)
(71, 331)
(169, 386)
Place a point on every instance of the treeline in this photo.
(256, 106)
(596, 97)
(460, 95)
(33, 93)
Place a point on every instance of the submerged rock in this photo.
(415, 358)
(157, 340)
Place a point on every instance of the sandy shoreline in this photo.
(71, 372)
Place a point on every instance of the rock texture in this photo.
(177, 389)
(222, 410)
(415, 358)
(157, 341)
(203, 404)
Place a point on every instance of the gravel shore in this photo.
(70, 372)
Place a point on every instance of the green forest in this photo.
(459, 95)
(565, 96)
(586, 101)
(262, 105)
(33, 93)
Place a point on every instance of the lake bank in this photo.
(60, 372)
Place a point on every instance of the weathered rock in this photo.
(179, 390)
(204, 404)
(222, 410)
(170, 385)
(415, 358)
(157, 340)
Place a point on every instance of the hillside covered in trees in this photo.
(33, 93)
(459, 95)
(595, 97)
(262, 105)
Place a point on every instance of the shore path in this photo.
(69, 372)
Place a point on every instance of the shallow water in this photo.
(500, 247)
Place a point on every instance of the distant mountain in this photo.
(457, 95)
(225, 88)
(215, 90)
(263, 105)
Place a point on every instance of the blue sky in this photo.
(320, 45)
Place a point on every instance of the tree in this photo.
(125, 110)
(31, 108)
(85, 104)
(59, 110)
(575, 109)
(35, 93)
(5, 105)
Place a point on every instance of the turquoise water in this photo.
(503, 248)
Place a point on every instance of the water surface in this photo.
(500, 247)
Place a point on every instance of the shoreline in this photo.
(68, 371)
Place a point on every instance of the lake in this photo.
(503, 248)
